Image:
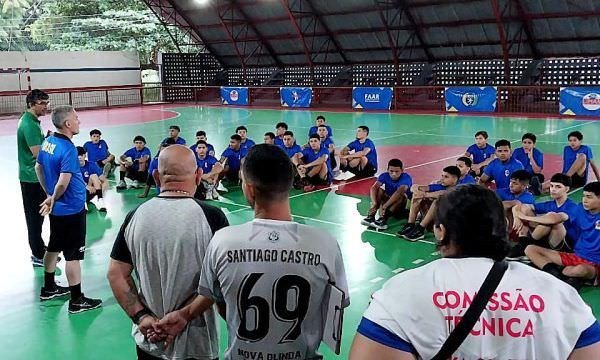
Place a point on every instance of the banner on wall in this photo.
(471, 99)
(234, 95)
(372, 98)
(295, 96)
(580, 101)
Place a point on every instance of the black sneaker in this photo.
(405, 229)
(83, 304)
(380, 224)
(368, 221)
(517, 252)
(58, 291)
(417, 233)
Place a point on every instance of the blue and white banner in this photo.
(580, 101)
(372, 98)
(471, 99)
(234, 95)
(295, 96)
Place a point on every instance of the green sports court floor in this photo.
(425, 143)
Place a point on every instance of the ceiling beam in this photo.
(231, 38)
(503, 42)
(331, 36)
(299, 34)
(528, 30)
(417, 28)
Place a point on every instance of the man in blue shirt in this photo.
(95, 182)
(312, 165)
(57, 168)
(134, 163)
(389, 195)
(359, 157)
(289, 144)
(577, 159)
(154, 167)
(211, 168)
(174, 131)
(517, 193)
(201, 135)
(269, 138)
(246, 142)
(97, 152)
(327, 143)
(501, 167)
(231, 159)
(318, 122)
(584, 262)
(463, 164)
(280, 130)
(481, 151)
(532, 160)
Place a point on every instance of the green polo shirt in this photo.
(29, 133)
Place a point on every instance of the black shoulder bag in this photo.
(466, 324)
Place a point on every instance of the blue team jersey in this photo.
(500, 172)
(134, 154)
(436, 187)
(371, 156)
(468, 179)
(234, 158)
(179, 141)
(154, 166)
(481, 154)
(587, 244)
(210, 150)
(569, 156)
(278, 141)
(520, 155)
(96, 152)
(88, 169)
(569, 207)
(309, 155)
(391, 186)
(313, 130)
(247, 144)
(207, 163)
(525, 197)
(325, 143)
(293, 150)
(58, 155)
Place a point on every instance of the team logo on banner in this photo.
(234, 95)
(469, 99)
(591, 101)
(295, 96)
(372, 98)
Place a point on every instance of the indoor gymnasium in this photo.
(300, 179)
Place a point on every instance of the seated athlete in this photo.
(231, 159)
(318, 122)
(95, 183)
(269, 138)
(533, 161)
(584, 262)
(211, 168)
(577, 159)
(423, 201)
(359, 157)
(246, 142)
(201, 135)
(97, 152)
(481, 152)
(516, 194)
(313, 165)
(289, 144)
(280, 130)
(134, 164)
(389, 194)
(327, 143)
(463, 164)
(174, 131)
(547, 222)
(154, 166)
(501, 167)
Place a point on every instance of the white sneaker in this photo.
(215, 193)
(136, 184)
(222, 188)
(340, 176)
(122, 185)
(348, 175)
(100, 205)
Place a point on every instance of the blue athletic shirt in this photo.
(247, 144)
(525, 197)
(468, 179)
(136, 155)
(569, 207)
(371, 156)
(325, 143)
(278, 141)
(308, 156)
(88, 169)
(96, 152)
(210, 150)
(207, 163)
(436, 187)
(500, 172)
(520, 155)
(391, 186)
(313, 130)
(179, 141)
(587, 244)
(234, 158)
(481, 154)
(58, 155)
(154, 166)
(293, 150)
(569, 156)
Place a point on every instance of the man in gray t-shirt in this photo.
(164, 241)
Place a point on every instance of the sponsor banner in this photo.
(471, 99)
(295, 96)
(372, 98)
(234, 95)
(580, 101)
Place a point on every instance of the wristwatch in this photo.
(139, 315)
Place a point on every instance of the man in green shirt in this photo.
(29, 139)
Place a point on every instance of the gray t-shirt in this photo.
(165, 239)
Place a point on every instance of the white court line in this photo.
(376, 280)
(418, 261)
(398, 270)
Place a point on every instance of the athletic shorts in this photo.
(67, 234)
(368, 171)
(570, 259)
(140, 176)
(577, 181)
(317, 180)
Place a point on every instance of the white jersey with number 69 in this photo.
(272, 276)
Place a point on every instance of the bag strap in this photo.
(466, 324)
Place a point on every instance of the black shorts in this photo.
(577, 181)
(140, 176)
(67, 234)
(368, 171)
(317, 180)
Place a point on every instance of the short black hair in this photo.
(396, 163)
(321, 117)
(270, 170)
(236, 137)
(466, 160)
(167, 142)
(593, 187)
(522, 176)
(365, 128)
(577, 134)
(288, 132)
(241, 127)
(452, 170)
(482, 133)
(174, 127)
(201, 142)
(530, 136)
(270, 134)
(139, 138)
(473, 217)
(502, 142)
(314, 136)
(81, 151)
(282, 125)
(95, 132)
(36, 95)
(322, 126)
(200, 133)
(561, 179)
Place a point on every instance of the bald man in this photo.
(164, 241)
